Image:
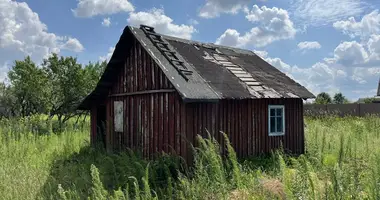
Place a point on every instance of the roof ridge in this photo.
(204, 44)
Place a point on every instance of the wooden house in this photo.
(159, 92)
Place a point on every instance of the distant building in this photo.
(159, 92)
(377, 97)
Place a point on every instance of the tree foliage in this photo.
(323, 98)
(56, 87)
(340, 99)
(369, 100)
(29, 85)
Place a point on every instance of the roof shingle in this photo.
(219, 72)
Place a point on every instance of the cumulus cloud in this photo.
(106, 22)
(349, 54)
(316, 78)
(73, 44)
(108, 56)
(90, 8)
(22, 33)
(322, 12)
(360, 61)
(213, 8)
(368, 25)
(273, 24)
(362, 74)
(309, 45)
(373, 45)
(162, 23)
(330, 77)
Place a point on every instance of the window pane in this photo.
(272, 112)
(279, 112)
(272, 124)
(279, 124)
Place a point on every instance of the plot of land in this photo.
(342, 162)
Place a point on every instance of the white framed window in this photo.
(276, 120)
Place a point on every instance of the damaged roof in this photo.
(204, 71)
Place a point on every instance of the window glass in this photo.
(272, 124)
(272, 112)
(279, 125)
(279, 112)
(276, 120)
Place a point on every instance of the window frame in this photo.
(283, 120)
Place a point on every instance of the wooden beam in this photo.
(143, 92)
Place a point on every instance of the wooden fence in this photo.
(342, 109)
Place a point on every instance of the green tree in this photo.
(29, 87)
(339, 98)
(8, 105)
(55, 88)
(323, 98)
(92, 74)
(369, 99)
(66, 88)
(69, 84)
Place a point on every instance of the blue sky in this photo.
(325, 45)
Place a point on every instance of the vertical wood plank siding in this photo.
(246, 124)
(161, 122)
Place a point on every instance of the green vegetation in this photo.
(342, 162)
(54, 88)
(325, 98)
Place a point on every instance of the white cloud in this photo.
(373, 45)
(273, 24)
(349, 54)
(369, 24)
(262, 54)
(106, 22)
(213, 8)
(360, 62)
(309, 45)
(108, 56)
(230, 37)
(90, 8)
(322, 12)
(193, 22)
(362, 74)
(317, 78)
(73, 44)
(162, 23)
(330, 77)
(22, 33)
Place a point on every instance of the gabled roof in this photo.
(216, 72)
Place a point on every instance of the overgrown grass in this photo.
(342, 162)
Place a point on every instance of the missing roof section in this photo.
(165, 48)
(256, 88)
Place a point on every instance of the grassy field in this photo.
(342, 162)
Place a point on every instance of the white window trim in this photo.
(283, 120)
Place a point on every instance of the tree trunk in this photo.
(60, 122)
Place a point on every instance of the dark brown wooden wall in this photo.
(162, 122)
(139, 73)
(144, 114)
(246, 124)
